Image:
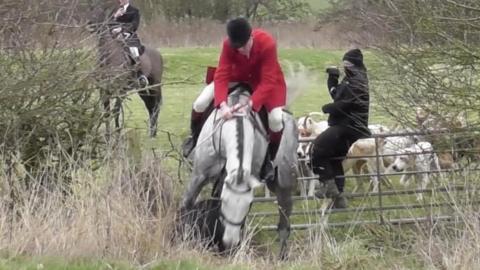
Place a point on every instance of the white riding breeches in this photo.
(134, 52)
(204, 99)
(275, 117)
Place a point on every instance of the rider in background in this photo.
(348, 122)
(128, 18)
(248, 56)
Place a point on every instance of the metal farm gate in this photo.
(392, 204)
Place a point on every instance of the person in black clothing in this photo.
(128, 18)
(348, 122)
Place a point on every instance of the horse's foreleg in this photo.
(193, 190)
(285, 203)
(154, 116)
(152, 100)
(106, 107)
(117, 110)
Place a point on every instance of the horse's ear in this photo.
(310, 122)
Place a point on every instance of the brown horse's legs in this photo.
(117, 110)
(106, 107)
(152, 100)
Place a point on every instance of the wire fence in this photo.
(391, 204)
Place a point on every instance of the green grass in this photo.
(24, 263)
(319, 4)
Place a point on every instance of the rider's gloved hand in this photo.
(333, 75)
(119, 12)
(226, 111)
(243, 107)
(333, 71)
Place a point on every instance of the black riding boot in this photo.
(195, 127)
(267, 173)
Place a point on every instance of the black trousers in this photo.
(329, 150)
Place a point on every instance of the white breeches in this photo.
(275, 117)
(134, 52)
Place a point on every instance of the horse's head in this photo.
(98, 15)
(237, 196)
(239, 94)
(243, 150)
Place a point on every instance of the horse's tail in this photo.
(298, 79)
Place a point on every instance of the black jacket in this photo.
(351, 101)
(130, 20)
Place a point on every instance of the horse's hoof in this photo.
(283, 255)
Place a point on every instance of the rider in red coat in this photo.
(248, 56)
(259, 68)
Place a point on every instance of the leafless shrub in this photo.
(49, 105)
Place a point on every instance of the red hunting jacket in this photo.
(262, 71)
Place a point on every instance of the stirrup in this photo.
(267, 173)
(143, 81)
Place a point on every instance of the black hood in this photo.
(355, 57)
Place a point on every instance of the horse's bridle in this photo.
(224, 219)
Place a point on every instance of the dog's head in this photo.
(305, 126)
(421, 115)
(405, 160)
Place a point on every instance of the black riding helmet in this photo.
(239, 32)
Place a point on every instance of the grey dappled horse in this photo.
(238, 147)
(114, 60)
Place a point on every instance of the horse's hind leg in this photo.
(106, 107)
(285, 203)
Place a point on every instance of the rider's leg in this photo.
(200, 105)
(135, 54)
(275, 128)
(325, 147)
(339, 201)
(328, 149)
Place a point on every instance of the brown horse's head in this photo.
(98, 15)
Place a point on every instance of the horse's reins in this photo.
(219, 124)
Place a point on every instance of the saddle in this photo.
(263, 114)
(130, 40)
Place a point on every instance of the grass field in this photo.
(319, 4)
(184, 75)
(364, 247)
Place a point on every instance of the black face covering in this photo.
(350, 71)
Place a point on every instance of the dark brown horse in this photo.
(116, 67)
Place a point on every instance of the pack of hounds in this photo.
(397, 154)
